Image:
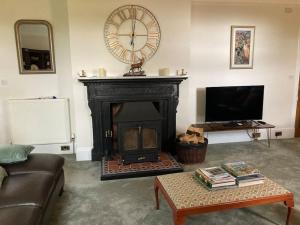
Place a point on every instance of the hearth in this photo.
(138, 132)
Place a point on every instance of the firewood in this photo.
(195, 130)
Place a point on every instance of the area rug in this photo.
(114, 169)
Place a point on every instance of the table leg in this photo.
(269, 136)
(290, 204)
(288, 218)
(156, 194)
(178, 219)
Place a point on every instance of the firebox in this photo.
(138, 132)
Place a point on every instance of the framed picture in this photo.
(242, 46)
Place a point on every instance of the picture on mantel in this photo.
(242, 47)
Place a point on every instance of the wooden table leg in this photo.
(178, 219)
(156, 193)
(269, 136)
(288, 218)
(290, 204)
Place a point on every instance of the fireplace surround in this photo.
(103, 93)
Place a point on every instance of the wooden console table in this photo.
(248, 125)
(187, 197)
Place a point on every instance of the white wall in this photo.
(13, 85)
(275, 59)
(195, 36)
(88, 50)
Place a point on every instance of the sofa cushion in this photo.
(20, 215)
(47, 163)
(3, 174)
(32, 189)
(14, 153)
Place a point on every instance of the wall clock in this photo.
(132, 33)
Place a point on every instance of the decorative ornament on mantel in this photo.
(181, 73)
(136, 69)
(82, 73)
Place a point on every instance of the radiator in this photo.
(39, 121)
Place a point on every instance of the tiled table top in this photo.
(185, 192)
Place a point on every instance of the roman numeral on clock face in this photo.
(150, 46)
(132, 13)
(124, 53)
(151, 24)
(122, 16)
(142, 15)
(112, 35)
(143, 54)
(153, 35)
(113, 23)
(114, 44)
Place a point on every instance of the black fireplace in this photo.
(144, 134)
(138, 132)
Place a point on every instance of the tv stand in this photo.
(231, 126)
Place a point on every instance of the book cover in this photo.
(240, 169)
(209, 187)
(215, 172)
(249, 183)
(251, 178)
(214, 180)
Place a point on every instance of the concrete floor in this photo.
(89, 201)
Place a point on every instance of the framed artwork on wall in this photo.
(242, 47)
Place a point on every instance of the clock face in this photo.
(131, 33)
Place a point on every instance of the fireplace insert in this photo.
(138, 132)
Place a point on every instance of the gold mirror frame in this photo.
(19, 48)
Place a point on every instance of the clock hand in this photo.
(133, 21)
(133, 24)
(132, 32)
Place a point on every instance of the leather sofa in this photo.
(28, 194)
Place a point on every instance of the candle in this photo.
(164, 72)
(102, 72)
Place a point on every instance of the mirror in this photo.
(34, 40)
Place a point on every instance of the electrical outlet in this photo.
(256, 135)
(65, 147)
(278, 133)
(3, 82)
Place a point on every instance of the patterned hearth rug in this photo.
(114, 169)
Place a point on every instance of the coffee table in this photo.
(187, 197)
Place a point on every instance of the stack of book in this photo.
(215, 178)
(245, 173)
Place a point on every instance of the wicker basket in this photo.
(191, 153)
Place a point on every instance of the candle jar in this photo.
(164, 72)
(102, 72)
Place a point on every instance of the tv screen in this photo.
(234, 103)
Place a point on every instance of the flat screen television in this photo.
(234, 103)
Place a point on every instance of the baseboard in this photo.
(242, 136)
(66, 148)
(84, 153)
(286, 133)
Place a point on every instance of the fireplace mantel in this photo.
(102, 92)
